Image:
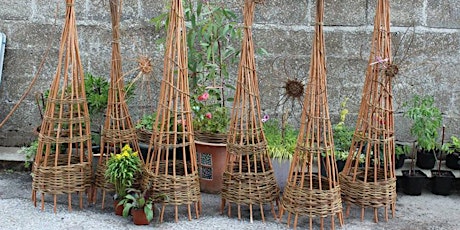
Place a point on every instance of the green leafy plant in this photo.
(123, 169)
(29, 152)
(453, 146)
(402, 150)
(281, 139)
(342, 134)
(212, 32)
(426, 120)
(137, 199)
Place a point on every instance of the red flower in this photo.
(208, 115)
(203, 97)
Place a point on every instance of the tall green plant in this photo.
(426, 120)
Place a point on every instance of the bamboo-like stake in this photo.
(118, 128)
(63, 161)
(248, 177)
(313, 187)
(171, 167)
(373, 180)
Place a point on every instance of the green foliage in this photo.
(342, 134)
(97, 93)
(426, 120)
(402, 150)
(122, 169)
(29, 152)
(209, 115)
(138, 199)
(146, 122)
(281, 141)
(212, 32)
(453, 146)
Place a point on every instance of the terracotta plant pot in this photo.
(118, 208)
(211, 162)
(139, 217)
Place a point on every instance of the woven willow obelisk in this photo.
(171, 167)
(63, 161)
(118, 128)
(373, 183)
(312, 188)
(248, 177)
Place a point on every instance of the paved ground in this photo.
(18, 212)
(425, 212)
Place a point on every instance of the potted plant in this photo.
(140, 205)
(122, 171)
(401, 152)
(29, 153)
(452, 150)
(441, 180)
(343, 135)
(413, 180)
(212, 32)
(426, 120)
(281, 143)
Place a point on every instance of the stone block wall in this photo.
(426, 36)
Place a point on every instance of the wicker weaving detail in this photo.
(374, 185)
(100, 181)
(63, 159)
(312, 202)
(181, 189)
(210, 137)
(171, 165)
(248, 178)
(381, 193)
(118, 128)
(64, 178)
(313, 188)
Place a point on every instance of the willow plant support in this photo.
(63, 161)
(171, 168)
(248, 177)
(312, 188)
(371, 183)
(118, 128)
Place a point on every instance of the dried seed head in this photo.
(391, 70)
(294, 88)
(145, 64)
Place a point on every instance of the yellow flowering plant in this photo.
(122, 170)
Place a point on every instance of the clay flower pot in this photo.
(139, 217)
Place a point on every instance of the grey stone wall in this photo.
(426, 48)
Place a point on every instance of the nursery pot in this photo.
(400, 161)
(340, 165)
(413, 184)
(118, 208)
(442, 182)
(425, 159)
(211, 164)
(453, 161)
(139, 217)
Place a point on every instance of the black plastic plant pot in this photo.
(425, 159)
(400, 161)
(453, 161)
(442, 182)
(340, 165)
(413, 182)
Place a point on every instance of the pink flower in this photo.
(265, 118)
(203, 97)
(208, 115)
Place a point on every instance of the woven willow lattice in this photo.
(63, 161)
(313, 185)
(248, 178)
(374, 184)
(171, 167)
(118, 128)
